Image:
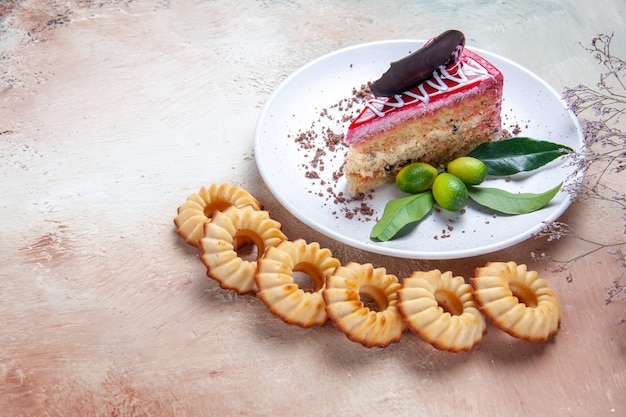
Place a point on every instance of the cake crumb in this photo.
(321, 143)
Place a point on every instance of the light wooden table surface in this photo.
(113, 112)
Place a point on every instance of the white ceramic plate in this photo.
(295, 107)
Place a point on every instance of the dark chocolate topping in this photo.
(417, 67)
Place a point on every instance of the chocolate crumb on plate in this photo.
(322, 143)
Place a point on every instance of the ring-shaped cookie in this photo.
(349, 313)
(517, 300)
(200, 206)
(226, 233)
(441, 310)
(282, 295)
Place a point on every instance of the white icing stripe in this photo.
(440, 85)
(474, 67)
(461, 78)
(469, 66)
(424, 98)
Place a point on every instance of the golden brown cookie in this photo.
(276, 286)
(200, 206)
(226, 233)
(441, 310)
(517, 300)
(346, 309)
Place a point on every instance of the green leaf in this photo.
(400, 212)
(511, 203)
(513, 155)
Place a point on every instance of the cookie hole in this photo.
(373, 298)
(524, 294)
(304, 281)
(369, 303)
(308, 277)
(217, 205)
(248, 245)
(449, 302)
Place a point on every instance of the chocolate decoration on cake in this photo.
(417, 67)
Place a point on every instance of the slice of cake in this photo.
(444, 114)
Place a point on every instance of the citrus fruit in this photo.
(450, 192)
(416, 177)
(470, 170)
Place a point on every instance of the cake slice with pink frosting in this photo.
(445, 113)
